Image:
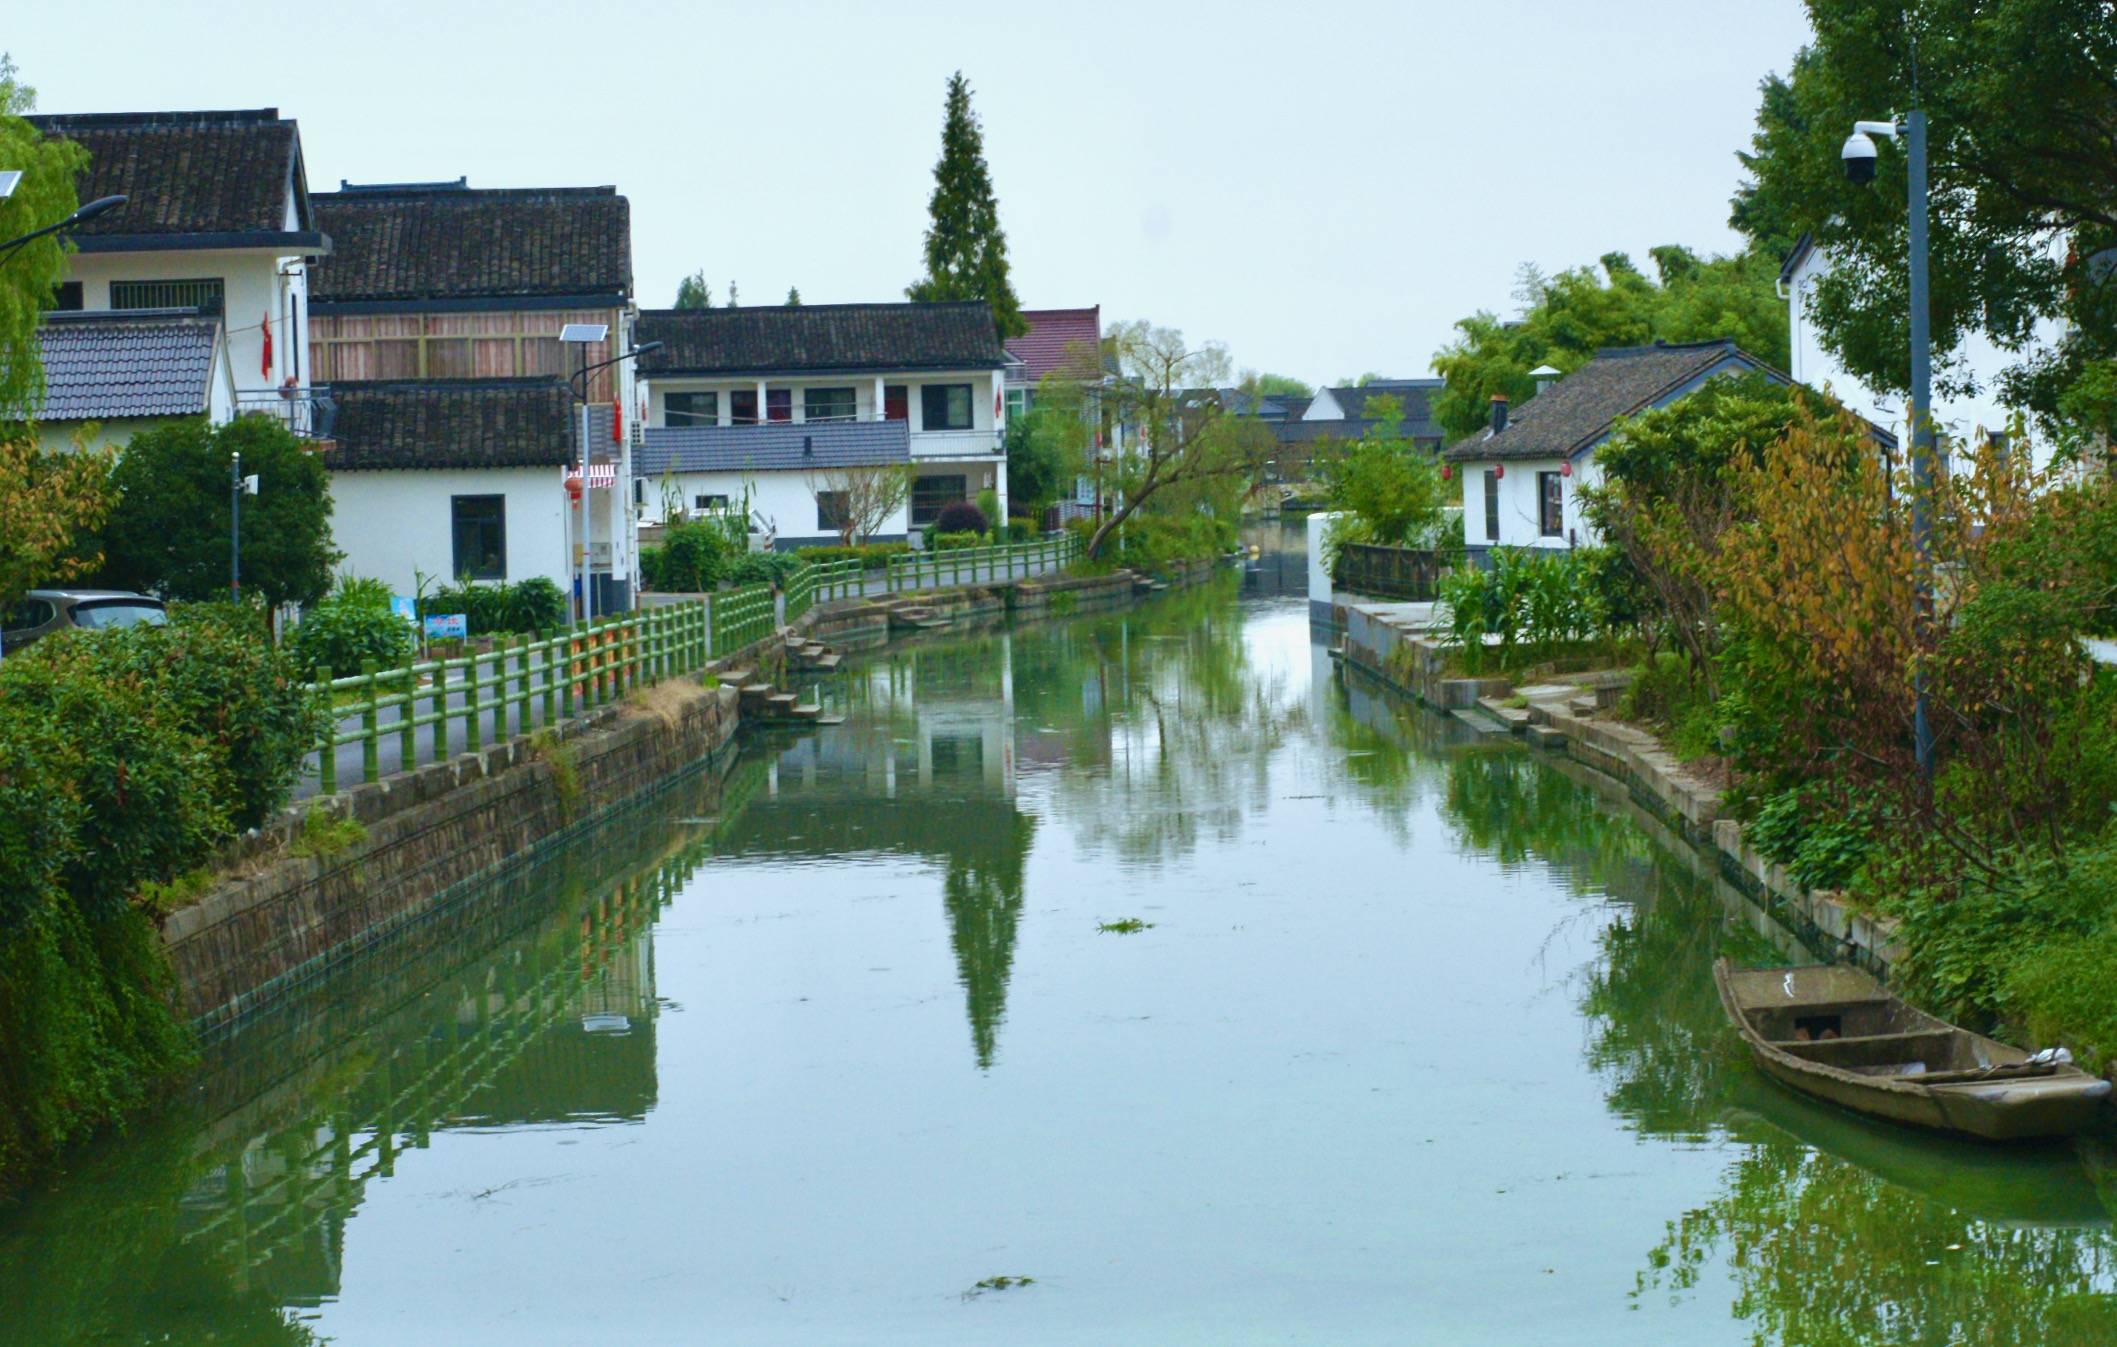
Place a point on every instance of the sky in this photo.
(1325, 188)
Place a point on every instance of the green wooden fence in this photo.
(972, 565)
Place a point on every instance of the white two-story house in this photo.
(216, 232)
(763, 404)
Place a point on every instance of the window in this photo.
(66, 297)
(1551, 498)
(479, 526)
(30, 613)
(204, 293)
(742, 407)
(691, 409)
(929, 494)
(945, 406)
(1017, 402)
(709, 502)
(828, 404)
(779, 405)
(831, 508)
(1492, 506)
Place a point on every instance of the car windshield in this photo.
(118, 613)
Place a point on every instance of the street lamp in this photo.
(584, 335)
(81, 216)
(1859, 155)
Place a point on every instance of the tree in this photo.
(1577, 313)
(55, 503)
(1278, 385)
(2019, 96)
(1189, 444)
(1046, 445)
(1391, 493)
(734, 300)
(692, 292)
(966, 250)
(858, 499)
(793, 296)
(43, 197)
(169, 532)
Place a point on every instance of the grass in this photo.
(1124, 926)
(1001, 1283)
(325, 834)
(565, 774)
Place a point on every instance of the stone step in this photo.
(805, 711)
(779, 701)
(738, 676)
(826, 663)
(1587, 704)
(1543, 736)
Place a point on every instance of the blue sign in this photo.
(446, 624)
(408, 609)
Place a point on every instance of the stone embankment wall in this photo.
(1391, 642)
(282, 917)
(279, 917)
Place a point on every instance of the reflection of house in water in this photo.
(925, 767)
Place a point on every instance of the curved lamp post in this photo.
(81, 216)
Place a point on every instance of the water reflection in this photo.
(1832, 1229)
(532, 1003)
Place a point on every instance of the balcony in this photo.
(955, 443)
(308, 412)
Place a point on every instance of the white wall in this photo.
(393, 522)
(785, 502)
(985, 386)
(253, 290)
(1815, 366)
(1521, 517)
(1323, 407)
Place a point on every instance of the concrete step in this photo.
(738, 676)
(1543, 736)
(1587, 704)
(779, 701)
(805, 711)
(827, 663)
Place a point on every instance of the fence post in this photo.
(407, 740)
(473, 732)
(567, 650)
(441, 710)
(327, 756)
(370, 728)
(540, 642)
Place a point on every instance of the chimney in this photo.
(1545, 376)
(1499, 412)
(808, 446)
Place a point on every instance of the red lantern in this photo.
(1448, 472)
(1565, 469)
(1499, 470)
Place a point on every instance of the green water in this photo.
(1418, 1047)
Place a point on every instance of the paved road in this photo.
(389, 753)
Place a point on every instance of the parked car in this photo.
(44, 611)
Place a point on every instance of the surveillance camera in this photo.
(1859, 157)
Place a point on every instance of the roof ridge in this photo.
(449, 191)
(198, 117)
(487, 382)
(1659, 347)
(723, 311)
(89, 317)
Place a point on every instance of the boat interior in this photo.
(1878, 1036)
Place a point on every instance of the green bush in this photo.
(536, 604)
(360, 590)
(757, 568)
(951, 542)
(1531, 598)
(1154, 542)
(1021, 530)
(1823, 843)
(960, 516)
(871, 555)
(335, 636)
(531, 605)
(693, 558)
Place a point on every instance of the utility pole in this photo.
(235, 527)
(1923, 440)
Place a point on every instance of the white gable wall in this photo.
(1520, 514)
(394, 522)
(1323, 407)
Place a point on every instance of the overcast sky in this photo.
(1324, 187)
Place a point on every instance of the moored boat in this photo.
(1836, 1033)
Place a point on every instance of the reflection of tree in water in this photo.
(1179, 725)
(1824, 1253)
(983, 895)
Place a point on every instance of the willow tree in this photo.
(966, 250)
(30, 272)
(1185, 443)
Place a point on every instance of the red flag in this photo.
(617, 422)
(267, 325)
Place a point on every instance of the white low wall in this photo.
(391, 523)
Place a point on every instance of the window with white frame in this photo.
(827, 404)
(691, 409)
(945, 406)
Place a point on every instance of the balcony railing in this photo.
(308, 412)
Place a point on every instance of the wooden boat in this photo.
(1836, 1033)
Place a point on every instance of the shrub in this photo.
(758, 568)
(536, 604)
(960, 516)
(693, 558)
(870, 555)
(363, 591)
(1021, 529)
(1532, 597)
(989, 506)
(1154, 542)
(950, 542)
(339, 633)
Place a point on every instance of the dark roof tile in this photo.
(829, 444)
(100, 367)
(186, 172)
(447, 241)
(454, 423)
(1578, 410)
(820, 337)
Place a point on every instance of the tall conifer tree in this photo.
(966, 250)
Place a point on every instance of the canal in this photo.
(1143, 958)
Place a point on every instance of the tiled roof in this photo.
(185, 172)
(820, 337)
(1416, 395)
(452, 423)
(1058, 339)
(100, 366)
(1575, 412)
(449, 241)
(767, 448)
